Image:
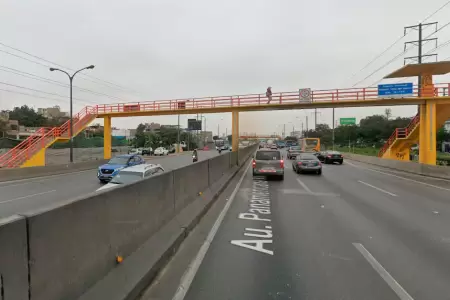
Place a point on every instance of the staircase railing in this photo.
(42, 137)
(399, 133)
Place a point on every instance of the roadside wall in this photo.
(31, 172)
(410, 167)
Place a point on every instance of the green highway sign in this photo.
(347, 121)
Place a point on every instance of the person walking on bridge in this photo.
(269, 94)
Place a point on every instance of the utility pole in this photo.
(315, 113)
(306, 135)
(333, 129)
(419, 43)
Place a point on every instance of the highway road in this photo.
(26, 195)
(356, 232)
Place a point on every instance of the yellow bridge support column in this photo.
(428, 130)
(107, 138)
(235, 131)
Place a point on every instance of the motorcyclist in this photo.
(194, 155)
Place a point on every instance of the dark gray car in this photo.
(268, 163)
(307, 162)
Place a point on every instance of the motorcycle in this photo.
(194, 158)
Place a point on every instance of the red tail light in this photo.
(254, 164)
(299, 163)
(282, 163)
(329, 156)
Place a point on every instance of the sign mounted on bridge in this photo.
(347, 121)
(304, 95)
(395, 90)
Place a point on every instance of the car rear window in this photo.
(307, 157)
(268, 155)
(297, 148)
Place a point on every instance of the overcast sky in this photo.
(164, 49)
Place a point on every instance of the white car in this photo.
(133, 174)
(161, 151)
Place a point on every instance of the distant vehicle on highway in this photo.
(147, 151)
(107, 171)
(161, 151)
(330, 157)
(293, 151)
(133, 174)
(274, 147)
(307, 162)
(268, 163)
(281, 144)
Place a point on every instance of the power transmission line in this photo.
(404, 52)
(40, 91)
(393, 44)
(56, 64)
(55, 82)
(31, 95)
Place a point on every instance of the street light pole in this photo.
(71, 77)
(178, 135)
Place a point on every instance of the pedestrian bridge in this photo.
(431, 98)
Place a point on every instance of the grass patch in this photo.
(362, 151)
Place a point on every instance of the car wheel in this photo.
(341, 162)
(319, 172)
(298, 171)
(282, 177)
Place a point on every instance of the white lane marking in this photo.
(404, 178)
(377, 188)
(18, 182)
(395, 286)
(29, 196)
(304, 186)
(189, 275)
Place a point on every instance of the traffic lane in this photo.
(413, 247)
(414, 178)
(425, 203)
(22, 196)
(297, 250)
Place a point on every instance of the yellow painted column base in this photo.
(107, 140)
(37, 160)
(235, 131)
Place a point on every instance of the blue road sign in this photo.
(395, 89)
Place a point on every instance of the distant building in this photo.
(52, 112)
(122, 133)
(152, 127)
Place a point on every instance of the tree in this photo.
(27, 116)
(290, 138)
(388, 113)
(3, 127)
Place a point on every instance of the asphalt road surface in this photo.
(355, 232)
(26, 195)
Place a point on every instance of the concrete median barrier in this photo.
(75, 244)
(66, 250)
(13, 258)
(188, 182)
(218, 166)
(32, 172)
(405, 166)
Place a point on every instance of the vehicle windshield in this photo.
(268, 155)
(118, 160)
(125, 177)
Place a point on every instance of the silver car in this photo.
(268, 163)
(307, 162)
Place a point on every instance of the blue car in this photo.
(107, 171)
